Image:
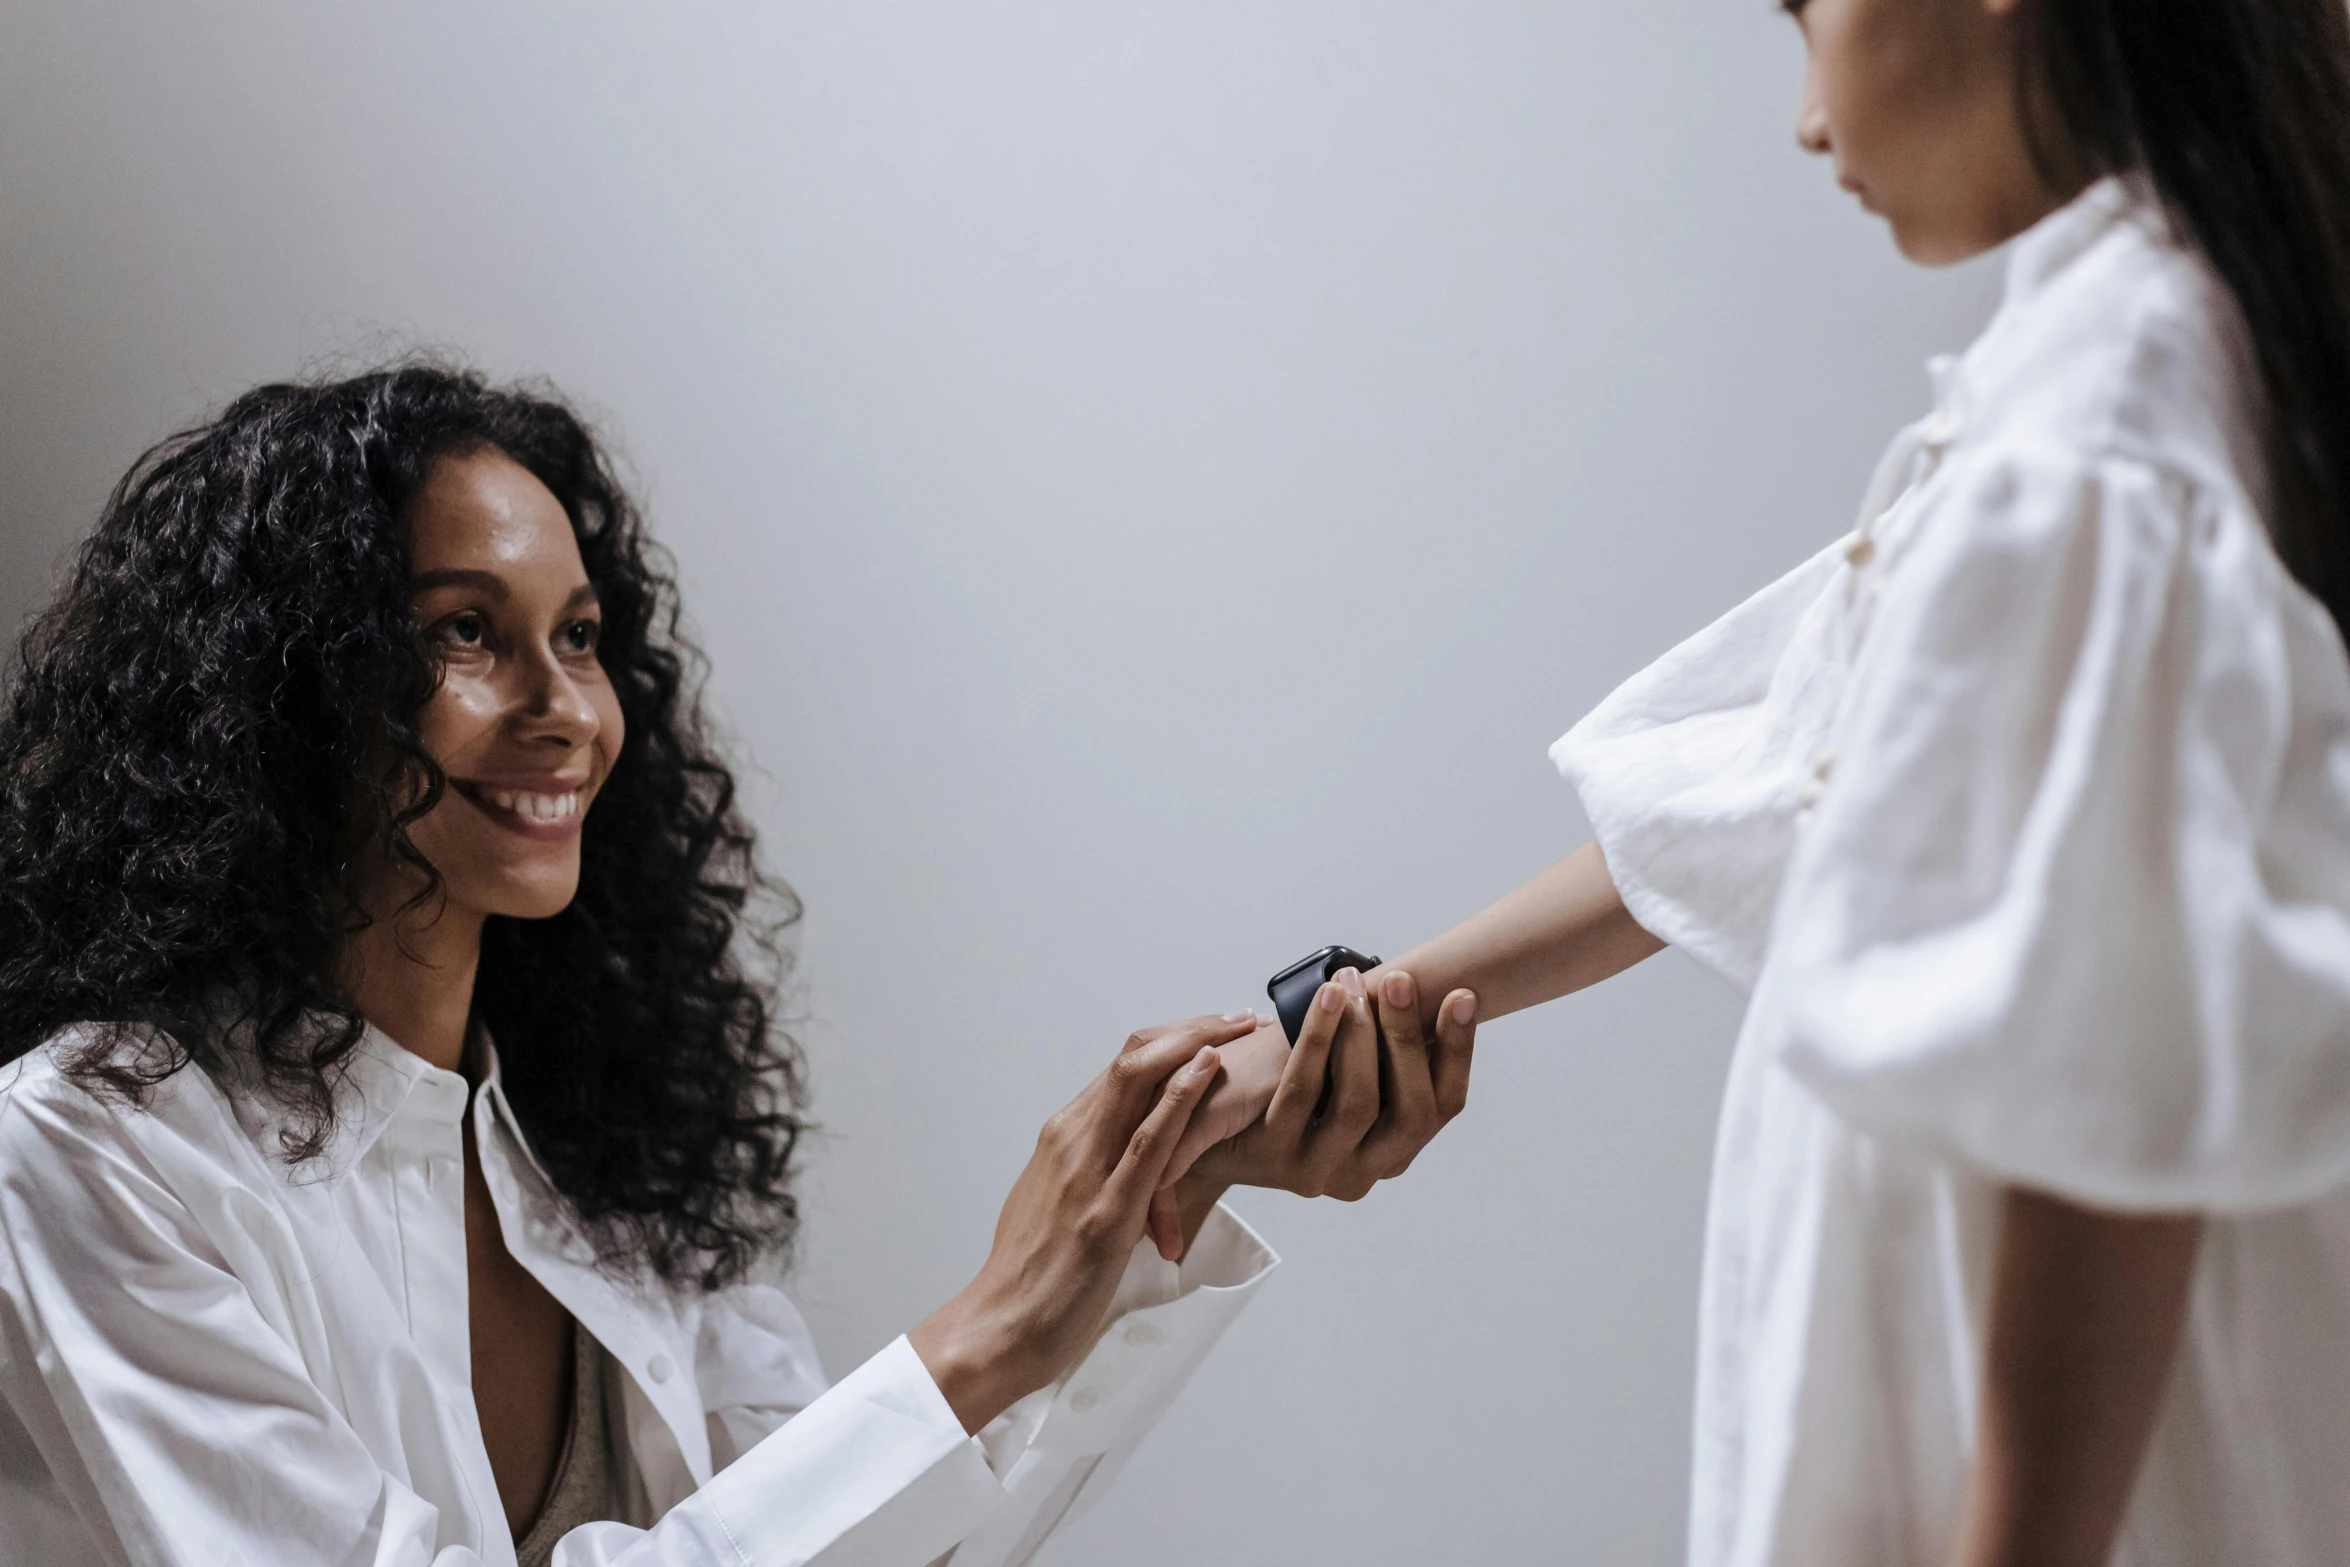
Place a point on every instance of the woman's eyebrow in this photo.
(481, 581)
(490, 583)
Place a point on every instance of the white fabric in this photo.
(208, 1359)
(2024, 815)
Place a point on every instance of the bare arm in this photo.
(2085, 1316)
(1565, 929)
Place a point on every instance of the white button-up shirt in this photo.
(208, 1357)
(2023, 815)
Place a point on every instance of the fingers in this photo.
(1408, 1118)
(1302, 1081)
(1456, 1041)
(1253, 1067)
(1129, 1188)
(1150, 1054)
(1354, 1073)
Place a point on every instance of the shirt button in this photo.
(1142, 1335)
(1824, 766)
(659, 1368)
(1083, 1399)
(1861, 551)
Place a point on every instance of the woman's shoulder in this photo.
(95, 1094)
(2132, 356)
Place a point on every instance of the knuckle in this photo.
(1135, 1041)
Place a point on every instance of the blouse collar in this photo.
(2043, 252)
(381, 1081)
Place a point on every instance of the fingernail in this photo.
(1464, 1007)
(1399, 989)
(1352, 980)
(1330, 998)
(1240, 1017)
(1205, 1062)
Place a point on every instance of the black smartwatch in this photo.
(1293, 988)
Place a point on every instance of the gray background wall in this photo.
(1153, 478)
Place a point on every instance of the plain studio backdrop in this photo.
(1152, 479)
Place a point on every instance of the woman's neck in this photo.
(414, 981)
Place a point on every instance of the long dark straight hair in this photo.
(2238, 112)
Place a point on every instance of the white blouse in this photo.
(2023, 814)
(206, 1358)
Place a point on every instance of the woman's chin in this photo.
(524, 893)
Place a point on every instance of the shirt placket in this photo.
(1912, 459)
(428, 1179)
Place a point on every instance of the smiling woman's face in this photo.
(524, 722)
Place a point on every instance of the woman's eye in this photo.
(580, 636)
(465, 630)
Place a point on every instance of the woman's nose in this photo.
(556, 708)
(1811, 122)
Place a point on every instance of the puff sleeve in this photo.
(2075, 908)
(1692, 771)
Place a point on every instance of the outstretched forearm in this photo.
(2085, 1315)
(1565, 929)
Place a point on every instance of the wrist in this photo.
(974, 1360)
(1196, 1196)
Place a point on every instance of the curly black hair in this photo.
(196, 735)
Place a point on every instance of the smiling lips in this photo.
(551, 814)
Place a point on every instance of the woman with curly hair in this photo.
(396, 1137)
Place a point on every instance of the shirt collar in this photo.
(2043, 251)
(384, 1080)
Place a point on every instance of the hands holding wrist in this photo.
(1153, 1142)
(1071, 1222)
(1367, 1086)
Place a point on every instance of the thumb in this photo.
(1166, 1223)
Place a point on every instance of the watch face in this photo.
(1293, 988)
(1321, 965)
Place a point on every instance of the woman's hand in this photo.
(1345, 1114)
(1070, 1224)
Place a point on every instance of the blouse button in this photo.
(659, 1368)
(1860, 551)
(1824, 766)
(1083, 1399)
(1142, 1335)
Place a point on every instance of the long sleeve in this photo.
(877, 1472)
(2076, 906)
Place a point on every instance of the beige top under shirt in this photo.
(586, 1488)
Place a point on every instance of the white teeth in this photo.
(534, 807)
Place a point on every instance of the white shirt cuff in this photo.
(876, 1473)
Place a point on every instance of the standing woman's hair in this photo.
(218, 710)
(2238, 111)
